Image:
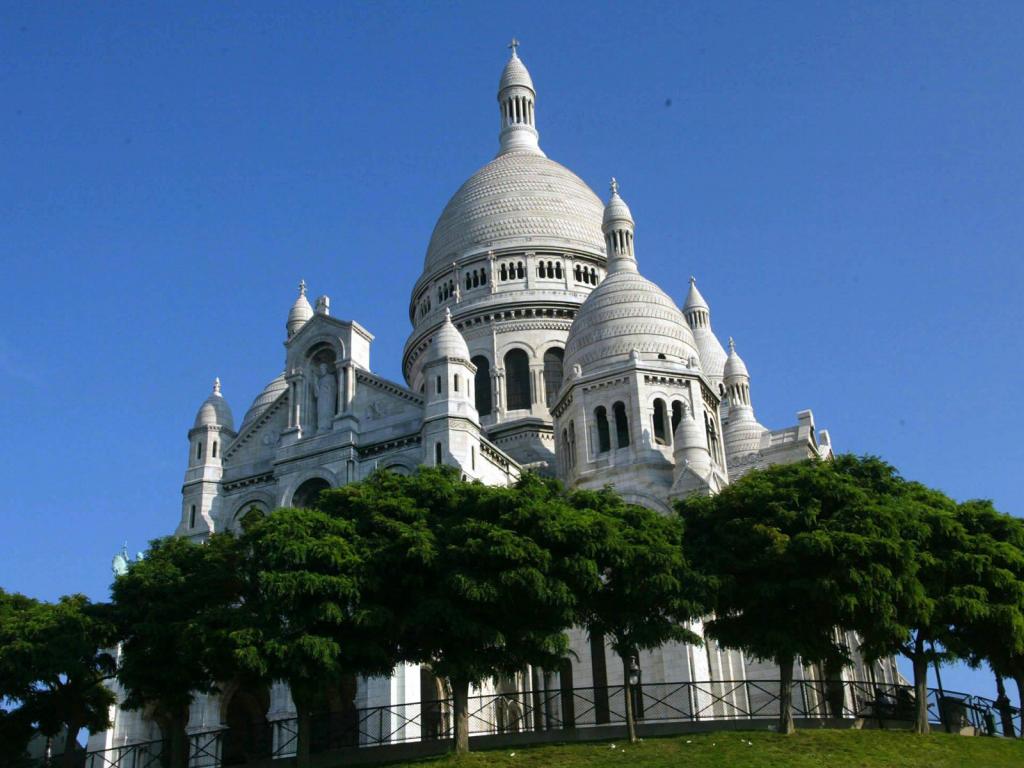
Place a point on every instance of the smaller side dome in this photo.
(300, 313)
(265, 399)
(448, 342)
(215, 410)
(616, 212)
(734, 365)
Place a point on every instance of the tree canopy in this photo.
(53, 666)
(174, 611)
(474, 580)
(792, 552)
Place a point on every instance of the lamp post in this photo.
(632, 670)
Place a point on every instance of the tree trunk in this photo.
(786, 724)
(628, 692)
(1019, 680)
(460, 696)
(303, 735)
(68, 759)
(178, 746)
(920, 687)
(1003, 704)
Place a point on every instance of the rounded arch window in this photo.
(553, 359)
(482, 385)
(307, 494)
(517, 380)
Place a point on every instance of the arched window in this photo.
(472, 457)
(456, 382)
(504, 272)
(659, 422)
(517, 380)
(483, 277)
(307, 494)
(593, 276)
(469, 281)
(553, 373)
(565, 448)
(540, 269)
(213, 450)
(712, 433)
(192, 517)
(437, 384)
(572, 443)
(199, 450)
(482, 385)
(476, 279)
(604, 439)
(558, 270)
(520, 272)
(677, 415)
(579, 274)
(437, 454)
(621, 425)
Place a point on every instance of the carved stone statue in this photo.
(326, 398)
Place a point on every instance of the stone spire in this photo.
(300, 312)
(516, 99)
(698, 315)
(618, 228)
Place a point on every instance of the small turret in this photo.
(300, 312)
(694, 467)
(211, 432)
(451, 427)
(698, 315)
(742, 430)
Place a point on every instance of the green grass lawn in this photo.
(760, 749)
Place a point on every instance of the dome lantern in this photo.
(618, 228)
(516, 99)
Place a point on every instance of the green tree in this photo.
(174, 610)
(302, 619)
(476, 581)
(991, 620)
(645, 596)
(790, 554)
(54, 664)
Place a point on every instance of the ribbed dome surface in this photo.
(515, 73)
(264, 400)
(712, 355)
(516, 196)
(448, 342)
(624, 313)
(214, 411)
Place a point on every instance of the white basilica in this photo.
(536, 344)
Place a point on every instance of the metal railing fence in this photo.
(535, 711)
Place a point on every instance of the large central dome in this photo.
(518, 197)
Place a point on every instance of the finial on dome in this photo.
(693, 280)
(302, 287)
(448, 314)
(514, 45)
(732, 345)
(614, 186)
(216, 386)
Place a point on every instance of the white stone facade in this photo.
(536, 344)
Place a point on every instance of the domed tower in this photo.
(210, 435)
(698, 315)
(451, 425)
(300, 313)
(742, 431)
(514, 254)
(632, 375)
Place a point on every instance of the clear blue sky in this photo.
(844, 180)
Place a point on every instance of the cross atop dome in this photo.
(614, 186)
(514, 46)
(302, 287)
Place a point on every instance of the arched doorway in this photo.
(336, 719)
(434, 709)
(306, 495)
(248, 736)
